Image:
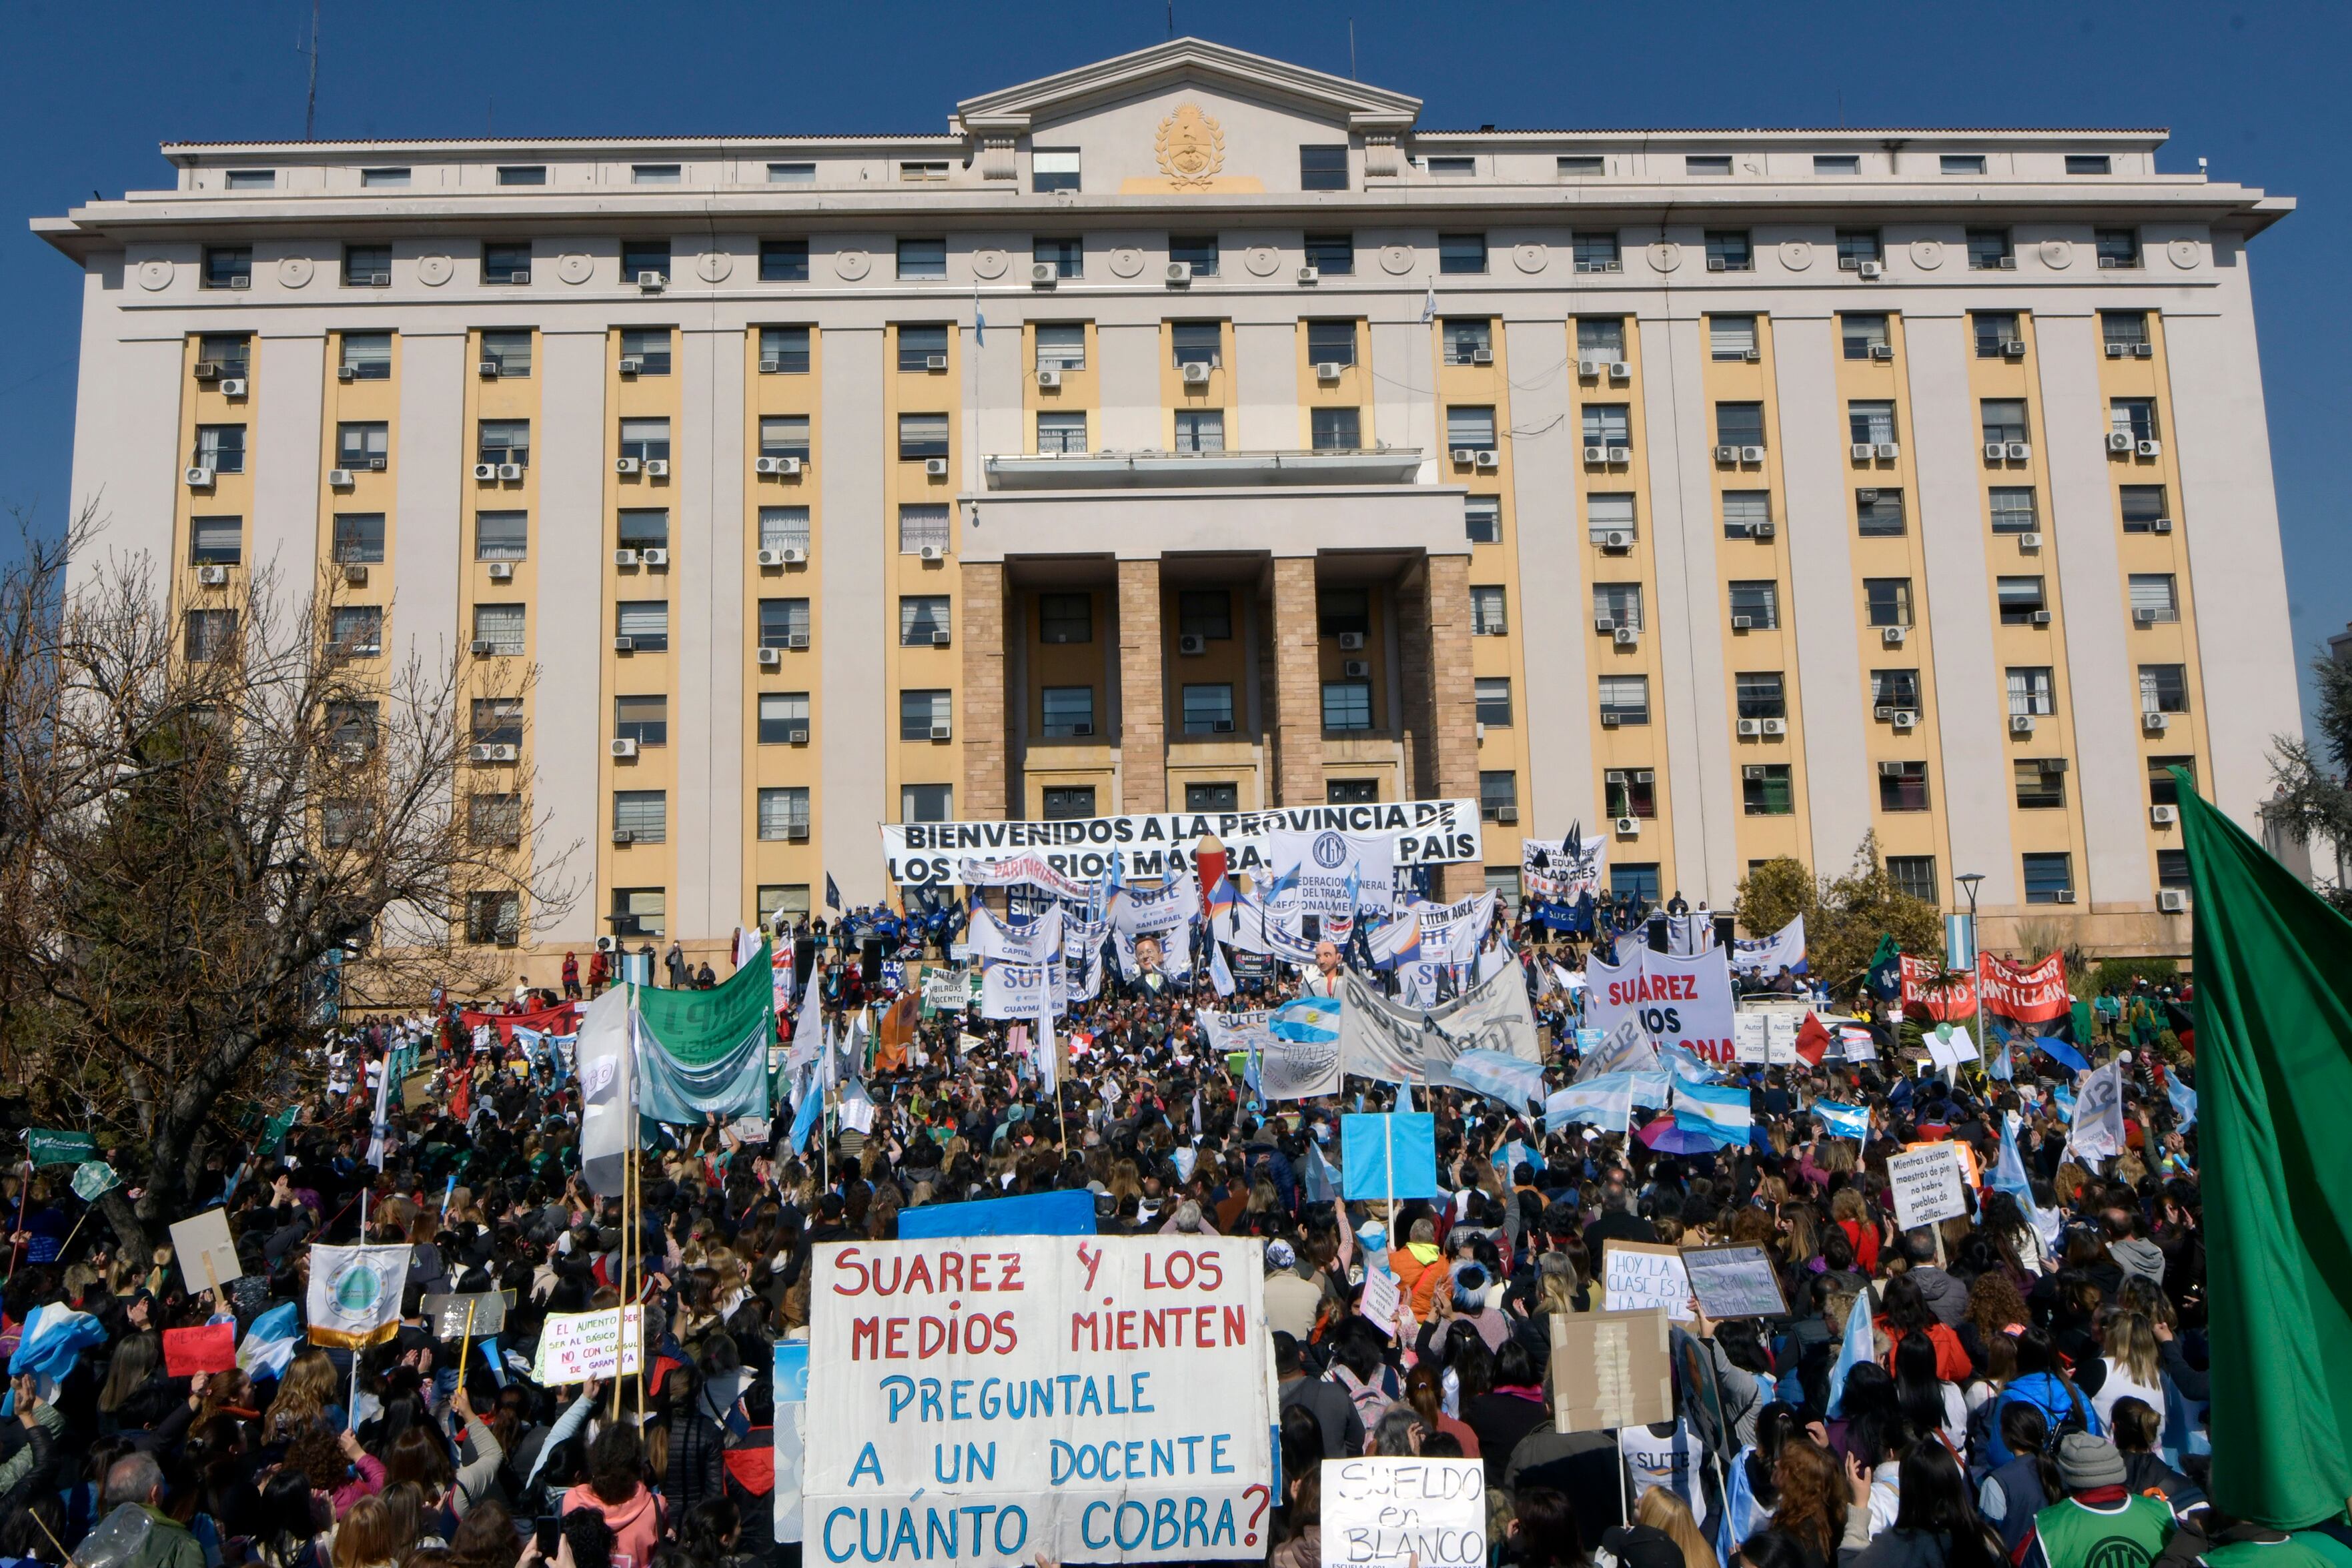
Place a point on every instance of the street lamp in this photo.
(1967, 880)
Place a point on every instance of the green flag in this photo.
(703, 1051)
(51, 1147)
(2275, 1071)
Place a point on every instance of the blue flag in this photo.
(1843, 1121)
(1393, 1155)
(2058, 1051)
(832, 893)
(1321, 1184)
(805, 1115)
(2183, 1098)
(1858, 1347)
(2008, 1173)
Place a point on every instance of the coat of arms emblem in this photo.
(1191, 147)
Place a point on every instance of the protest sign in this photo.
(1388, 1512)
(1679, 1000)
(1640, 1276)
(1927, 1186)
(1748, 1033)
(2030, 993)
(187, 1352)
(1702, 1396)
(1335, 872)
(576, 1346)
(207, 1252)
(1784, 949)
(1610, 1370)
(1560, 873)
(789, 1378)
(1381, 1296)
(1780, 1038)
(1388, 1156)
(1091, 1398)
(1735, 1282)
(446, 1316)
(1928, 990)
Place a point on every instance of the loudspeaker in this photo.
(869, 960)
(1725, 930)
(803, 960)
(1311, 928)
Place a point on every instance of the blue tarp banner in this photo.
(1043, 1214)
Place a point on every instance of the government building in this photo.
(1196, 432)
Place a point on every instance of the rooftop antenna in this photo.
(1351, 50)
(1171, 18)
(311, 108)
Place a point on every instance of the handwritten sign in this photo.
(1926, 1185)
(1609, 1371)
(1735, 1282)
(576, 1346)
(1381, 1295)
(1431, 1513)
(1640, 1276)
(212, 1348)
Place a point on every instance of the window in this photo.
(643, 719)
(1208, 708)
(784, 814)
(1863, 336)
(1486, 618)
(363, 444)
(1468, 341)
(1464, 254)
(923, 347)
(922, 619)
(2047, 877)
(229, 267)
(368, 355)
(1331, 342)
(1579, 165)
(926, 802)
(1065, 618)
(356, 631)
(511, 351)
(1062, 432)
(1731, 337)
(1061, 346)
(655, 173)
(639, 257)
(2040, 786)
(2031, 694)
(1744, 511)
(2116, 247)
(1635, 881)
(1888, 599)
(2144, 507)
(1838, 163)
(2022, 602)
(1471, 425)
(383, 179)
(494, 818)
(1340, 610)
(2163, 789)
(221, 448)
(1995, 331)
(1066, 802)
(1962, 163)
(1351, 791)
(501, 626)
(783, 261)
(639, 912)
(1760, 693)
(920, 528)
(1630, 793)
(1492, 696)
(1498, 792)
(1347, 705)
(215, 542)
(642, 814)
(784, 351)
(644, 528)
(1765, 790)
(2155, 596)
(1053, 169)
(2122, 330)
(783, 619)
(367, 266)
(1626, 698)
(1323, 168)
(1199, 430)
(522, 174)
(2014, 510)
(648, 348)
(1869, 420)
(1708, 164)
(644, 622)
(1758, 601)
(2172, 868)
(785, 435)
(1065, 256)
(1336, 429)
(1198, 251)
(1197, 342)
(1607, 514)
(1855, 247)
(1482, 519)
(2135, 416)
(1739, 425)
(502, 441)
(1333, 255)
(359, 539)
(921, 711)
(1878, 514)
(2164, 688)
(1205, 613)
(783, 718)
(1619, 603)
(922, 435)
(2002, 419)
(1894, 689)
(352, 726)
(1595, 250)
(1989, 250)
(1213, 797)
(786, 902)
(1727, 250)
(787, 527)
(1901, 786)
(1914, 877)
(646, 439)
(494, 918)
(1608, 424)
(232, 351)
(1453, 167)
(2088, 164)
(1067, 711)
(497, 721)
(251, 180)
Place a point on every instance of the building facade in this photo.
(1194, 431)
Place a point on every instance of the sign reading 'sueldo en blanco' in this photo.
(987, 1398)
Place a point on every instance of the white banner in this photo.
(1034, 943)
(1680, 1001)
(1784, 949)
(1560, 873)
(1381, 1040)
(1335, 873)
(1099, 1400)
(1435, 933)
(1022, 990)
(1422, 833)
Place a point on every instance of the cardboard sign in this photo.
(576, 1346)
(207, 1252)
(1381, 1295)
(447, 1315)
(1927, 1186)
(212, 1348)
(1735, 1282)
(1609, 1371)
(1645, 1276)
(1428, 1512)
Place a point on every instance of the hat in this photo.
(1637, 1546)
(1279, 1254)
(2086, 1462)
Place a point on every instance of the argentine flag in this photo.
(1310, 1021)
(1721, 1114)
(2183, 1098)
(1859, 1346)
(269, 1344)
(54, 1338)
(1843, 1121)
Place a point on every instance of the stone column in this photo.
(1295, 725)
(1142, 689)
(983, 795)
(1450, 771)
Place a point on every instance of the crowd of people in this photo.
(2033, 1390)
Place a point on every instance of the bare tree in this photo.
(222, 820)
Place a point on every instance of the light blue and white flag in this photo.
(2008, 1172)
(1311, 1020)
(1498, 1075)
(54, 1338)
(1721, 1114)
(2183, 1098)
(1843, 1121)
(269, 1344)
(1859, 1346)
(1606, 1102)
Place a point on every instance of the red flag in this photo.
(1812, 1040)
(461, 1093)
(212, 1348)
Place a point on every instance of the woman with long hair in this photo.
(2042, 1381)
(1814, 1502)
(306, 1393)
(365, 1537)
(1931, 1405)
(1542, 1532)
(1664, 1509)
(2128, 1340)
(2020, 1487)
(1935, 1525)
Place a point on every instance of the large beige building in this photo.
(1732, 493)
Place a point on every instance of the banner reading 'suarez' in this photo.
(1092, 1398)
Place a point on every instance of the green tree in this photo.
(1844, 917)
(2314, 802)
(1774, 893)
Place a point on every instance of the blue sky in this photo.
(86, 92)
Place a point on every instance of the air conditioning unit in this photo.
(624, 644)
(1621, 454)
(2019, 451)
(379, 280)
(1590, 367)
(1506, 814)
(1629, 827)
(1882, 713)
(1196, 373)
(943, 732)
(520, 274)
(1743, 623)
(378, 465)
(652, 282)
(511, 471)
(1905, 718)
(212, 576)
(355, 574)
(1751, 454)
(1882, 351)
(771, 658)
(482, 647)
(2013, 349)
(2172, 900)
(1043, 274)
(1482, 356)
(1889, 450)
(625, 748)
(789, 468)
(1776, 726)
(1310, 275)
(197, 478)
(2041, 618)
(1761, 531)
(771, 365)
(2021, 724)
(934, 467)
(2119, 441)
(1328, 370)
(2145, 615)
(1627, 637)
(1616, 539)
(625, 558)
(487, 753)
(1621, 370)
(656, 467)
(1753, 770)
(1717, 264)
(653, 558)
(1727, 455)
(1872, 271)
(1596, 455)
(796, 832)
(1351, 641)
(772, 557)
(502, 572)
(1220, 727)
(2155, 723)
(2118, 351)
(2028, 541)
(1191, 645)
(240, 280)
(1995, 451)
(1081, 731)
(939, 639)
(485, 472)
(1890, 770)
(1356, 669)
(1751, 727)
(763, 465)
(1611, 720)
(209, 369)
(487, 369)
(2163, 816)
(2151, 448)
(631, 364)
(2065, 895)
(342, 478)
(1489, 459)
(1866, 496)
(796, 640)
(625, 464)
(935, 362)
(1050, 380)
(1894, 636)
(1178, 274)
(1753, 356)
(932, 552)
(1861, 450)
(2160, 525)
(233, 387)
(793, 554)
(623, 836)
(347, 372)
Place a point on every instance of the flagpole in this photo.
(353, 1403)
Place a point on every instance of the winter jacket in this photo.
(2056, 1401)
(635, 1523)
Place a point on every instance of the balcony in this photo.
(1151, 470)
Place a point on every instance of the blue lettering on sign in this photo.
(887, 1534)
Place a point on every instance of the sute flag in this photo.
(354, 1296)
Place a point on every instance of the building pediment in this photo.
(1183, 62)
